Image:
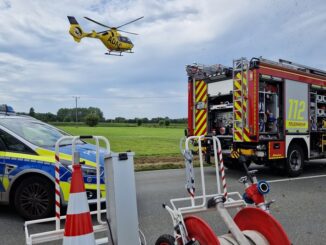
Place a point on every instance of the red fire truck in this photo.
(269, 112)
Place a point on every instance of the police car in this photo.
(27, 165)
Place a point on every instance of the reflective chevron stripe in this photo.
(201, 113)
(235, 154)
(240, 101)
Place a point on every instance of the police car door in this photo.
(2, 167)
(9, 145)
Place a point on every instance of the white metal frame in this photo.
(177, 213)
(57, 233)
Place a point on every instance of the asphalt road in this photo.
(300, 204)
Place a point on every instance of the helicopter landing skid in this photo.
(117, 53)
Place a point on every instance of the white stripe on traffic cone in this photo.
(78, 227)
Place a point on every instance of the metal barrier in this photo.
(57, 233)
(220, 177)
(176, 213)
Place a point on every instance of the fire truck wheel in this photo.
(34, 198)
(294, 161)
(165, 239)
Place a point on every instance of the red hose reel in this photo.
(253, 219)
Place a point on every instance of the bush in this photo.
(167, 122)
(161, 123)
(139, 122)
(92, 120)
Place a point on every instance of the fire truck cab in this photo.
(269, 112)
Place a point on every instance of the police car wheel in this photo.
(34, 198)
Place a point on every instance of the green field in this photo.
(144, 141)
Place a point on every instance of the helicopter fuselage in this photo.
(111, 38)
(114, 41)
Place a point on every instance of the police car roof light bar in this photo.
(7, 110)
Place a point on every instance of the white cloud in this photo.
(43, 67)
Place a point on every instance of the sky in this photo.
(42, 67)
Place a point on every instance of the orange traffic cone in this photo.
(78, 227)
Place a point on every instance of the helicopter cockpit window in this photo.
(124, 39)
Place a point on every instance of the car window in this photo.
(12, 144)
(2, 145)
(37, 133)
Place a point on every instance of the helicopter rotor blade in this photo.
(130, 22)
(133, 33)
(102, 32)
(96, 22)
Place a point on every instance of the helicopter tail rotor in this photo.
(75, 29)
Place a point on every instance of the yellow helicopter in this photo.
(111, 38)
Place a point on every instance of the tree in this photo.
(92, 119)
(167, 122)
(139, 122)
(67, 119)
(161, 123)
(31, 112)
(64, 115)
(82, 113)
(97, 111)
(145, 120)
(46, 117)
(119, 120)
(157, 119)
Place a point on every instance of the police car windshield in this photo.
(37, 133)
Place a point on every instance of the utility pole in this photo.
(76, 100)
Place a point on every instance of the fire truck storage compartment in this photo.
(220, 106)
(317, 121)
(270, 108)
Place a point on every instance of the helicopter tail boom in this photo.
(75, 29)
